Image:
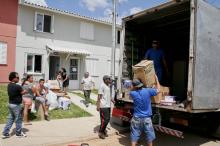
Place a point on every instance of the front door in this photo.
(74, 73)
(54, 67)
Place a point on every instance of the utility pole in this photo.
(113, 40)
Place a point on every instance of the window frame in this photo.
(51, 24)
(33, 63)
(6, 58)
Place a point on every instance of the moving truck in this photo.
(189, 34)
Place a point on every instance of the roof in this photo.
(54, 10)
(68, 50)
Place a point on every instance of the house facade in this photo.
(49, 39)
(8, 30)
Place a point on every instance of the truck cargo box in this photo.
(189, 35)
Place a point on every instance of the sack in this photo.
(64, 103)
(33, 109)
(52, 100)
(145, 72)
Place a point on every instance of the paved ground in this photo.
(43, 133)
(162, 140)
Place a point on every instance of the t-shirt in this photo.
(87, 83)
(28, 88)
(105, 101)
(157, 56)
(14, 93)
(142, 101)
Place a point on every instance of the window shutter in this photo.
(35, 21)
(86, 31)
(52, 24)
(3, 53)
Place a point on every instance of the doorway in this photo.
(74, 73)
(54, 67)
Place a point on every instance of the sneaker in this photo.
(101, 136)
(105, 134)
(21, 135)
(4, 136)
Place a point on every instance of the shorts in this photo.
(66, 83)
(138, 125)
(27, 101)
(42, 100)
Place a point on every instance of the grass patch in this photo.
(73, 112)
(82, 96)
(95, 91)
(3, 104)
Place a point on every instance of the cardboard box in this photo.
(145, 72)
(164, 91)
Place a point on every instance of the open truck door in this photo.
(206, 88)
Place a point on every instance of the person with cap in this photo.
(87, 85)
(157, 56)
(104, 105)
(141, 120)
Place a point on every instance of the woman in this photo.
(28, 97)
(65, 79)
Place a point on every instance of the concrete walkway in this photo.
(80, 102)
(56, 132)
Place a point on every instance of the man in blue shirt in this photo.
(141, 120)
(157, 56)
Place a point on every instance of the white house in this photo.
(48, 39)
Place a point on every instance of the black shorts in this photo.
(66, 83)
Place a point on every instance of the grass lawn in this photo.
(81, 95)
(73, 112)
(95, 91)
(3, 103)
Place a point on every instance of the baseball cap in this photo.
(137, 83)
(105, 77)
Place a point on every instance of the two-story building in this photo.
(48, 39)
(8, 30)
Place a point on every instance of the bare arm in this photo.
(98, 102)
(157, 84)
(23, 92)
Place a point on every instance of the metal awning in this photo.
(67, 50)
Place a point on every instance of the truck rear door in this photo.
(206, 90)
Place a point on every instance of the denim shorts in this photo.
(139, 125)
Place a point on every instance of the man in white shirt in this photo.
(88, 85)
(104, 105)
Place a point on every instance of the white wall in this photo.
(66, 33)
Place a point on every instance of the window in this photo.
(87, 31)
(3, 53)
(118, 36)
(34, 63)
(43, 23)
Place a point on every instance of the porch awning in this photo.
(68, 50)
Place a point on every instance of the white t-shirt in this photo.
(87, 83)
(105, 101)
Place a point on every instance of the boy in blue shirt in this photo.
(141, 120)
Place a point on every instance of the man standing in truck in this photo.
(141, 120)
(157, 56)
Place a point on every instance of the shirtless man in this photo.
(41, 93)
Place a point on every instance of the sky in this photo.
(101, 9)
